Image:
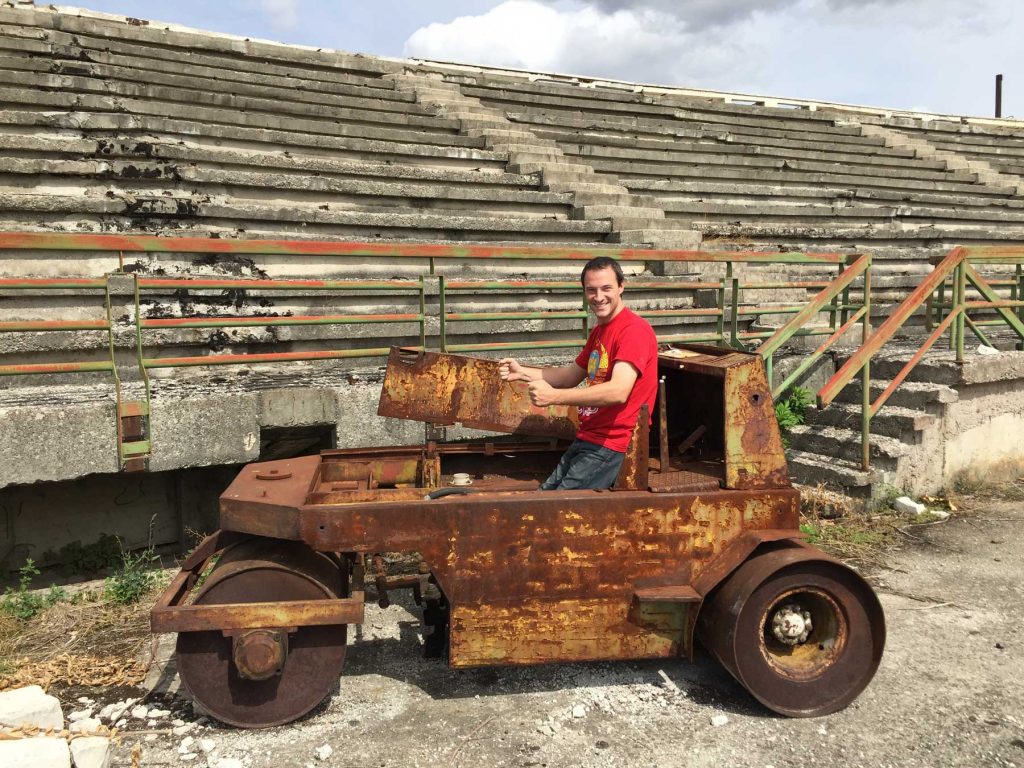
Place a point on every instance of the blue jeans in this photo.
(585, 465)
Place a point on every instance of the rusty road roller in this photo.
(697, 543)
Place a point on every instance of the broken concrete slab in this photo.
(91, 752)
(41, 752)
(31, 706)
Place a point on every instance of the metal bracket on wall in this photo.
(131, 382)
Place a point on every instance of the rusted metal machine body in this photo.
(697, 540)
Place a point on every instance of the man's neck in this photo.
(613, 316)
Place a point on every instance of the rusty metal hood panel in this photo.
(449, 389)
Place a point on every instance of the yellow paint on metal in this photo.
(540, 631)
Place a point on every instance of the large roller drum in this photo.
(269, 676)
(802, 632)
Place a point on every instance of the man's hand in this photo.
(543, 394)
(511, 370)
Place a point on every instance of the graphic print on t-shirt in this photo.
(597, 372)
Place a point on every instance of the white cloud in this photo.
(890, 53)
(282, 14)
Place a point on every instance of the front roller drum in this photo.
(262, 677)
(802, 633)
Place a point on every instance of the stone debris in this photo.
(186, 745)
(140, 712)
(79, 714)
(719, 720)
(666, 681)
(227, 762)
(579, 711)
(43, 752)
(323, 752)
(86, 725)
(30, 706)
(91, 752)
(207, 745)
(159, 713)
(908, 506)
(181, 730)
(115, 711)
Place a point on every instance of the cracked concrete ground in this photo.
(947, 693)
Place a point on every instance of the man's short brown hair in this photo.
(603, 262)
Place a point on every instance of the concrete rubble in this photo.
(34, 722)
(30, 706)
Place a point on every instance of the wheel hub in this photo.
(259, 654)
(791, 624)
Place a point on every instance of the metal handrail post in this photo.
(961, 289)
(721, 302)
(442, 328)
(423, 314)
(735, 340)
(865, 380)
(953, 303)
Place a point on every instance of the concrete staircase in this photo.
(944, 418)
(634, 218)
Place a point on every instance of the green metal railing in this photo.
(719, 321)
(835, 298)
(960, 268)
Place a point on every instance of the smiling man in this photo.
(620, 366)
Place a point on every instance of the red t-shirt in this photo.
(627, 338)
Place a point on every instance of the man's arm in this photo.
(612, 392)
(560, 377)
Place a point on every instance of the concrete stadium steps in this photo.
(413, 130)
(142, 180)
(741, 166)
(115, 33)
(84, 76)
(121, 155)
(202, 216)
(370, 144)
(936, 239)
(591, 102)
(603, 200)
(1002, 154)
(787, 175)
(570, 126)
(842, 213)
(649, 134)
(827, 449)
(754, 191)
(128, 94)
(925, 432)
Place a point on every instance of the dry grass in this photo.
(87, 642)
(1003, 481)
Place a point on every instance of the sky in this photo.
(937, 56)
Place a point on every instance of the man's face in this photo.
(603, 292)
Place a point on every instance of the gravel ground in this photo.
(949, 691)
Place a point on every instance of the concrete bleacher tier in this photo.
(765, 174)
(108, 124)
(108, 128)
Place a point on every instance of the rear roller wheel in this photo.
(802, 633)
(265, 677)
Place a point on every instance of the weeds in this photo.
(77, 558)
(23, 603)
(792, 412)
(133, 579)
